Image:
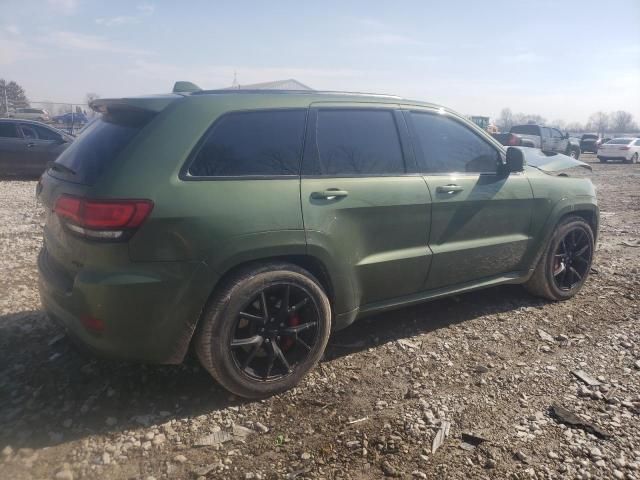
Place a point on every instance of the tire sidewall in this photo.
(559, 234)
(221, 323)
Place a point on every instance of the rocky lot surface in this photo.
(464, 387)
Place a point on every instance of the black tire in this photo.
(602, 160)
(573, 153)
(544, 283)
(222, 322)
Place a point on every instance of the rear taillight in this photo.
(625, 148)
(102, 219)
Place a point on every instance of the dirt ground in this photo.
(486, 366)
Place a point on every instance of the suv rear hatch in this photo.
(84, 225)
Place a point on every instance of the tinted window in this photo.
(356, 142)
(449, 146)
(526, 129)
(98, 146)
(28, 132)
(8, 130)
(546, 133)
(252, 143)
(589, 136)
(45, 133)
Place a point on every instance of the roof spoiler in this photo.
(151, 104)
(185, 87)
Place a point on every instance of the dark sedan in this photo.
(26, 147)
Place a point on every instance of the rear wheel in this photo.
(602, 160)
(264, 330)
(565, 265)
(573, 153)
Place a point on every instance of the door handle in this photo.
(329, 194)
(31, 145)
(450, 189)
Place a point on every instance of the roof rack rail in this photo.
(289, 92)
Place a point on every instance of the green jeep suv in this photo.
(250, 224)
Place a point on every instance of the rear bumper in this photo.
(620, 158)
(149, 311)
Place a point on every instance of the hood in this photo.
(550, 162)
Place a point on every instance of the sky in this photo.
(559, 59)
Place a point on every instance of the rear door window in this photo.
(356, 142)
(448, 146)
(99, 145)
(8, 130)
(257, 143)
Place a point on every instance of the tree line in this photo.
(599, 122)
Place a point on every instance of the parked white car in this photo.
(37, 114)
(624, 149)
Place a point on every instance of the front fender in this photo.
(566, 206)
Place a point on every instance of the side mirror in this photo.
(515, 160)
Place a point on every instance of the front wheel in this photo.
(565, 265)
(264, 330)
(573, 154)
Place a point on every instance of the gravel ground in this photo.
(478, 373)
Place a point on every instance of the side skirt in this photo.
(511, 277)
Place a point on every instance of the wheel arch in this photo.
(335, 290)
(586, 210)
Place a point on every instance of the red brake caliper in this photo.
(287, 342)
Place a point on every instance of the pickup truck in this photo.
(547, 139)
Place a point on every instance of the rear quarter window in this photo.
(257, 143)
(99, 145)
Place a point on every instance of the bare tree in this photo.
(505, 120)
(11, 96)
(574, 127)
(621, 121)
(599, 122)
(523, 118)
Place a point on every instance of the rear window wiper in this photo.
(60, 167)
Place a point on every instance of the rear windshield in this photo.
(526, 129)
(620, 141)
(98, 146)
(589, 137)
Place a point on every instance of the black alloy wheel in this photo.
(572, 259)
(275, 331)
